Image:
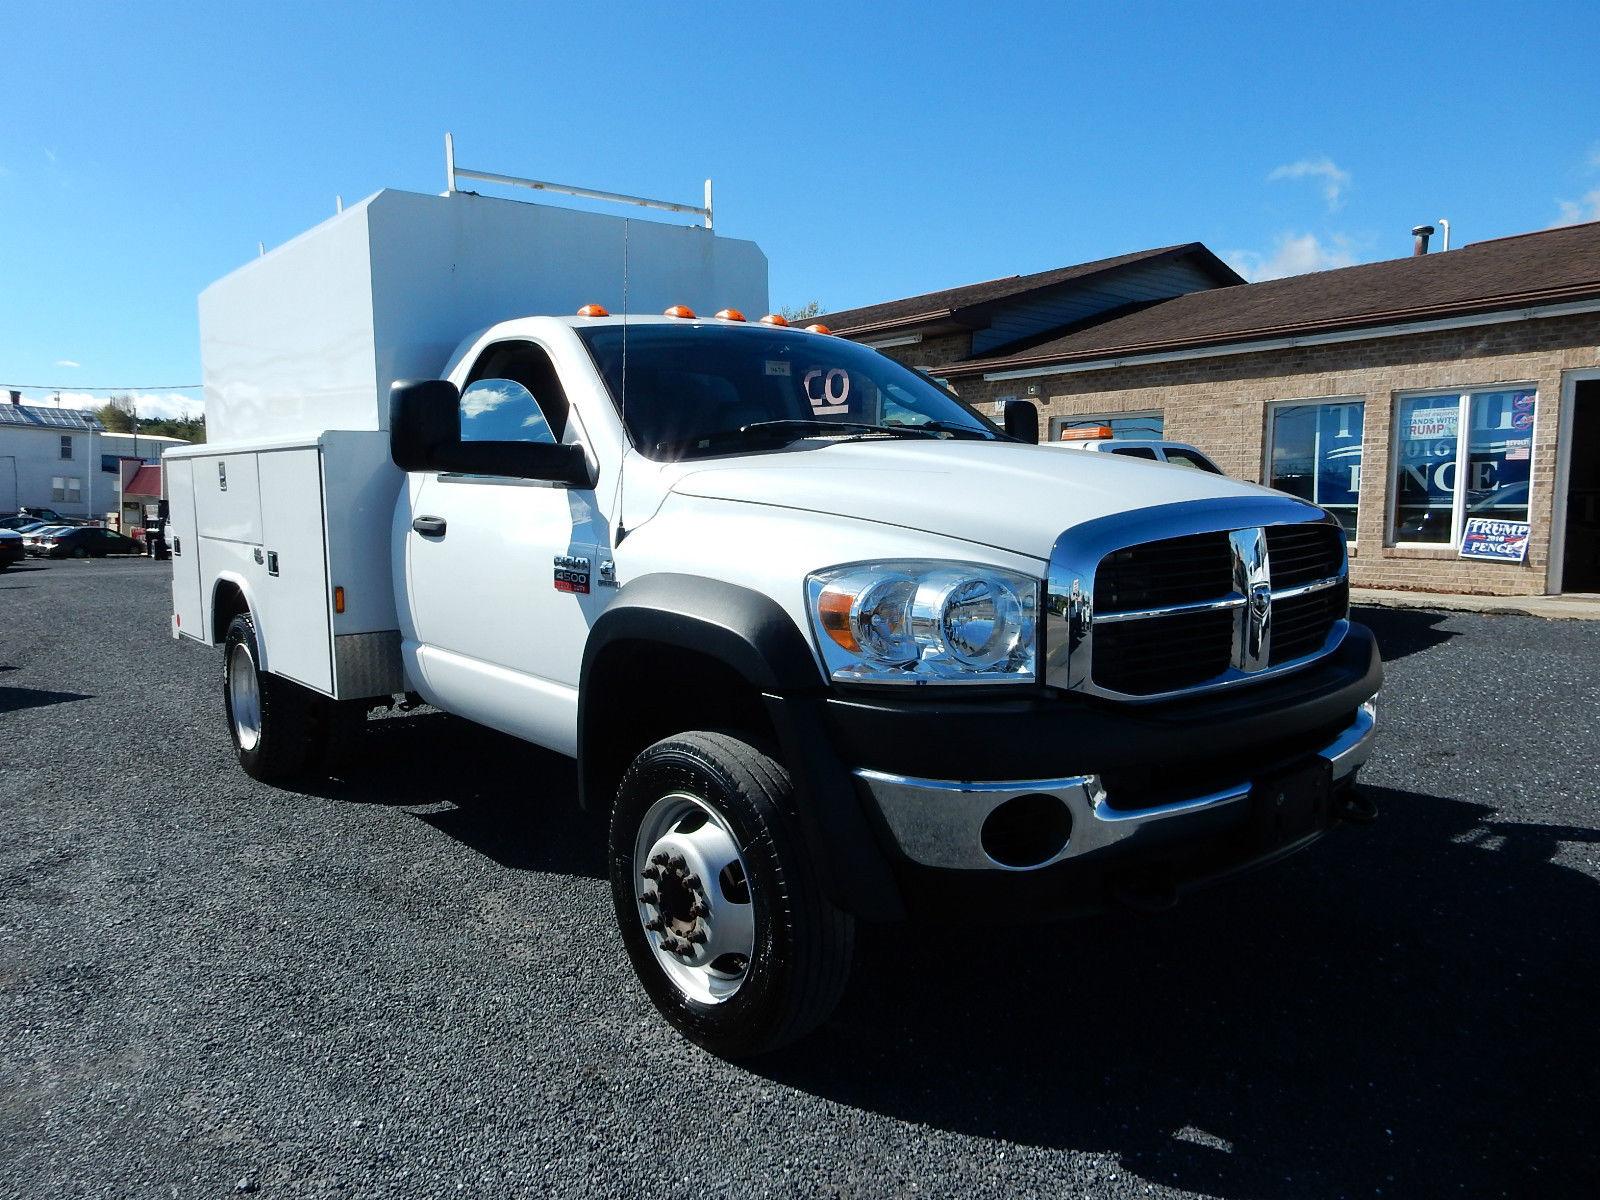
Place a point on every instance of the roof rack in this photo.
(453, 173)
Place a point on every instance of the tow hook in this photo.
(1357, 807)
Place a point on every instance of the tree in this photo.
(120, 414)
(117, 414)
(805, 312)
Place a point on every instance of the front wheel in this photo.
(716, 899)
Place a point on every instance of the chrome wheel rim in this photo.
(692, 892)
(244, 697)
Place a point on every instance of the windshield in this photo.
(699, 389)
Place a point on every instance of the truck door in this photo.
(188, 613)
(503, 573)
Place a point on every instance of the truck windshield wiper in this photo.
(791, 429)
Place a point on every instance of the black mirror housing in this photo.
(1022, 421)
(516, 460)
(423, 416)
(425, 435)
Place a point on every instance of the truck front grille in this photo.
(1300, 624)
(1160, 574)
(1185, 613)
(1304, 553)
(1143, 658)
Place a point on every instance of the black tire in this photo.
(803, 944)
(80, 552)
(286, 740)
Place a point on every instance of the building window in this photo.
(66, 445)
(1145, 425)
(1483, 440)
(65, 490)
(1314, 452)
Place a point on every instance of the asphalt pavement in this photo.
(405, 981)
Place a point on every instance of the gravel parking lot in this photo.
(406, 982)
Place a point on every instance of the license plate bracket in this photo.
(1293, 803)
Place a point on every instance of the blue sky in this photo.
(872, 150)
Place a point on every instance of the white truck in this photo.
(827, 646)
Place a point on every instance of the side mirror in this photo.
(422, 418)
(1022, 421)
(425, 435)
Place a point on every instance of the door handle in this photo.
(429, 526)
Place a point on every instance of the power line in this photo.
(125, 387)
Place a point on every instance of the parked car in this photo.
(34, 538)
(11, 548)
(1177, 454)
(87, 543)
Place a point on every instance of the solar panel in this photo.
(53, 418)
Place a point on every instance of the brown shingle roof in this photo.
(954, 303)
(1548, 267)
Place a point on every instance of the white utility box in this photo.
(310, 336)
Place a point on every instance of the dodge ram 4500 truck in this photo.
(827, 646)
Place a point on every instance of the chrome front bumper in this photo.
(939, 823)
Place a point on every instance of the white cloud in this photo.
(1334, 179)
(67, 362)
(1575, 212)
(486, 396)
(1294, 254)
(151, 406)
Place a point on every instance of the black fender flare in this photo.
(740, 627)
(753, 636)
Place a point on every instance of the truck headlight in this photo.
(917, 622)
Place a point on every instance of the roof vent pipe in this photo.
(1444, 233)
(1420, 235)
(16, 396)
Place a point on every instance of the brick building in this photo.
(1373, 390)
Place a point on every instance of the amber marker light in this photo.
(682, 311)
(818, 329)
(730, 314)
(593, 310)
(1085, 432)
(338, 599)
(774, 319)
(834, 608)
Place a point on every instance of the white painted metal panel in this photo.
(361, 486)
(446, 266)
(286, 340)
(188, 611)
(227, 497)
(293, 613)
(310, 336)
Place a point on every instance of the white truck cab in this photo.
(827, 646)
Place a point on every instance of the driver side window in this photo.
(502, 410)
(513, 395)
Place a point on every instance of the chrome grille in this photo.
(1188, 597)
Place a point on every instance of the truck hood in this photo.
(1001, 494)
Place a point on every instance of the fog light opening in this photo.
(1026, 831)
